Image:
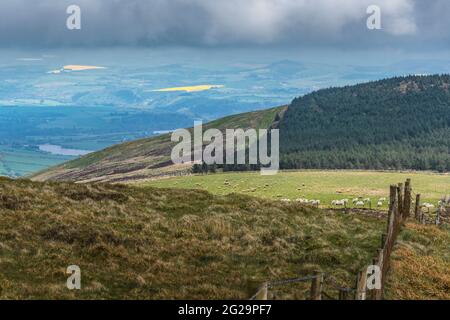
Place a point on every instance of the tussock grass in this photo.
(420, 264)
(145, 243)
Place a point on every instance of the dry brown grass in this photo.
(135, 243)
(420, 264)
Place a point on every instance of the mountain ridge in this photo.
(146, 158)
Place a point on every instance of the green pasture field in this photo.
(325, 186)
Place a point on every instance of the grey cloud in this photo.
(41, 23)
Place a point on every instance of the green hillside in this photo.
(145, 158)
(398, 123)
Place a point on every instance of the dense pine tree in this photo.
(398, 123)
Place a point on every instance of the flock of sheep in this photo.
(357, 202)
(304, 201)
(362, 202)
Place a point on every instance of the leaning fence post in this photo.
(316, 286)
(417, 209)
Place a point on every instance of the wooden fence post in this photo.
(392, 210)
(383, 268)
(400, 198)
(407, 200)
(316, 286)
(373, 293)
(392, 197)
(361, 285)
(417, 208)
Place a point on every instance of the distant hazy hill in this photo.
(398, 123)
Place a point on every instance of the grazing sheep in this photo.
(382, 199)
(301, 200)
(380, 204)
(338, 203)
(355, 200)
(428, 205)
(314, 202)
(285, 200)
(360, 204)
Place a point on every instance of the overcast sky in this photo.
(304, 23)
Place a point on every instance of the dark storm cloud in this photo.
(42, 23)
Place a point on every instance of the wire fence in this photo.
(427, 213)
(401, 207)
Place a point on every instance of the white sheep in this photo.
(360, 204)
(338, 203)
(285, 200)
(380, 204)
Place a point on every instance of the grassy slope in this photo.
(323, 185)
(157, 243)
(421, 264)
(145, 158)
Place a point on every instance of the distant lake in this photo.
(54, 149)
